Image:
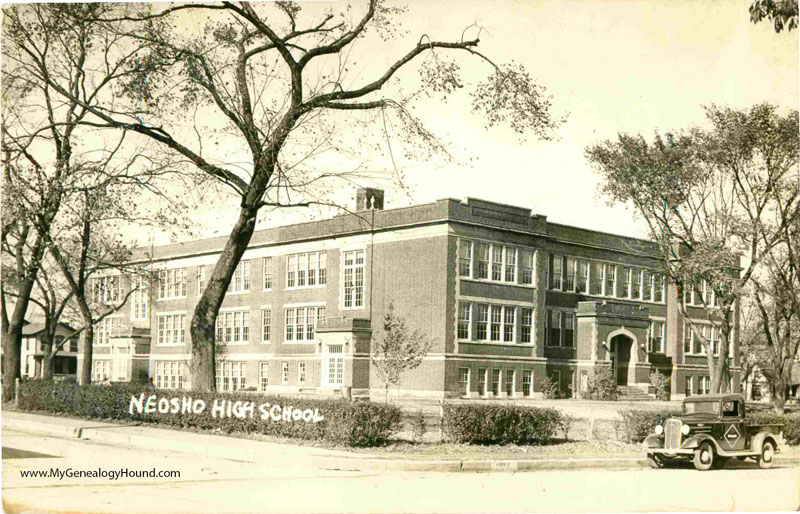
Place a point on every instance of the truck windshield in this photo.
(701, 408)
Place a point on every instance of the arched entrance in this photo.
(622, 358)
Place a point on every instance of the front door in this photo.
(620, 358)
(733, 427)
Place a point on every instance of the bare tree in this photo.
(710, 199)
(286, 90)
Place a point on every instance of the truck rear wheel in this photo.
(704, 457)
(767, 457)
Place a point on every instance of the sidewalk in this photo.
(248, 450)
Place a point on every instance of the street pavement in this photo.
(284, 484)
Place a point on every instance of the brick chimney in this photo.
(369, 199)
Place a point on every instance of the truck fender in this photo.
(695, 440)
(760, 438)
(654, 441)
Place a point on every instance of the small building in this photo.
(32, 351)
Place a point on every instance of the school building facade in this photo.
(509, 300)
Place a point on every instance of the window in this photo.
(569, 274)
(240, 282)
(657, 336)
(463, 380)
(556, 271)
(526, 266)
(482, 260)
(705, 331)
(647, 282)
(705, 385)
(171, 329)
(266, 325)
(569, 329)
(464, 311)
(231, 375)
(201, 279)
(101, 370)
(172, 283)
(497, 263)
(509, 382)
(688, 338)
(482, 381)
(335, 364)
(233, 327)
(169, 375)
(509, 323)
(496, 382)
(583, 277)
(106, 329)
(511, 264)
(658, 288)
(266, 270)
(730, 409)
(714, 340)
(140, 298)
(301, 373)
(611, 279)
(597, 278)
(636, 284)
(481, 321)
(301, 322)
(560, 329)
(464, 257)
(554, 328)
(526, 326)
(625, 283)
(497, 321)
(354, 279)
(527, 382)
(689, 386)
(306, 269)
(107, 289)
(263, 376)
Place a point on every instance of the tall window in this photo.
(657, 336)
(569, 274)
(107, 289)
(171, 329)
(526, 325)
(560, 329)
(689, 386)
(496, 315)
(263, 376)
(266, 269)
(464, 312)
(233, 327)
(611, 279)
(266, 325)
(511, 264)
(284, 372)
(464, 257)
(509, 323)
(688, 338)
(625, 283)
(301, 373)
(527, 265)
(569, 329)
(201, 279)
(105, 329)
(509, 382)
(481, 321)
(705, 384)
(335, 364)
(553, 328)
(306, 269)
(658, 288)
(101, 370)
(597, 278)
(496, 382)
(301, 322)
(482, 260)
(647, 290)
(556, 271)
(463, 379)
(497, 263)
(172, 283)
(354, 279)
(636, 284)
(240, 282)
(231, 375)
(583, 277)
(482, 381)
(140, 301)
(169, 375)
(527, 382)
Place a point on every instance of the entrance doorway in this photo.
(621, 358)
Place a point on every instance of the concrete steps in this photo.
(633, 394)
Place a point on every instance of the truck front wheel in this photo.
(767, 457)
(704, 457)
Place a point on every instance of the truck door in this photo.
(733, 429)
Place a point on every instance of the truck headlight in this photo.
(659, 430)
(685, 429)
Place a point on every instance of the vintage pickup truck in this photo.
(712, 429)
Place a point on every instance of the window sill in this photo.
(234, 343)
(295, 288)
(498, 282)
(563, 347)
(170, 298)
(496, 343)
(312, 341)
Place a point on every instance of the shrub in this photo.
(500, 424)
(602, 386)
(345, 423)
(550, 388)
(140, 376)
(418, 426)
(637, 424)
(660, 382)
(566, 424)
(790, 422)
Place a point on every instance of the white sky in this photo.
(612, 66)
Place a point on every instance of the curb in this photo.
(334, 462)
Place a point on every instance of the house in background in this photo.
(66, 360)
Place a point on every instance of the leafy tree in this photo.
(783, 13)
(397, 350)
(710, 197)
(285, 90)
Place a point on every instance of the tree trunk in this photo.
(203, 326)
(86, 347)
(12, 345)
(48, 363)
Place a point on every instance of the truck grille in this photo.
(672, 434)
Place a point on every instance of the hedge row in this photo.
(790, 422)
(335, 421)
(500, 424)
